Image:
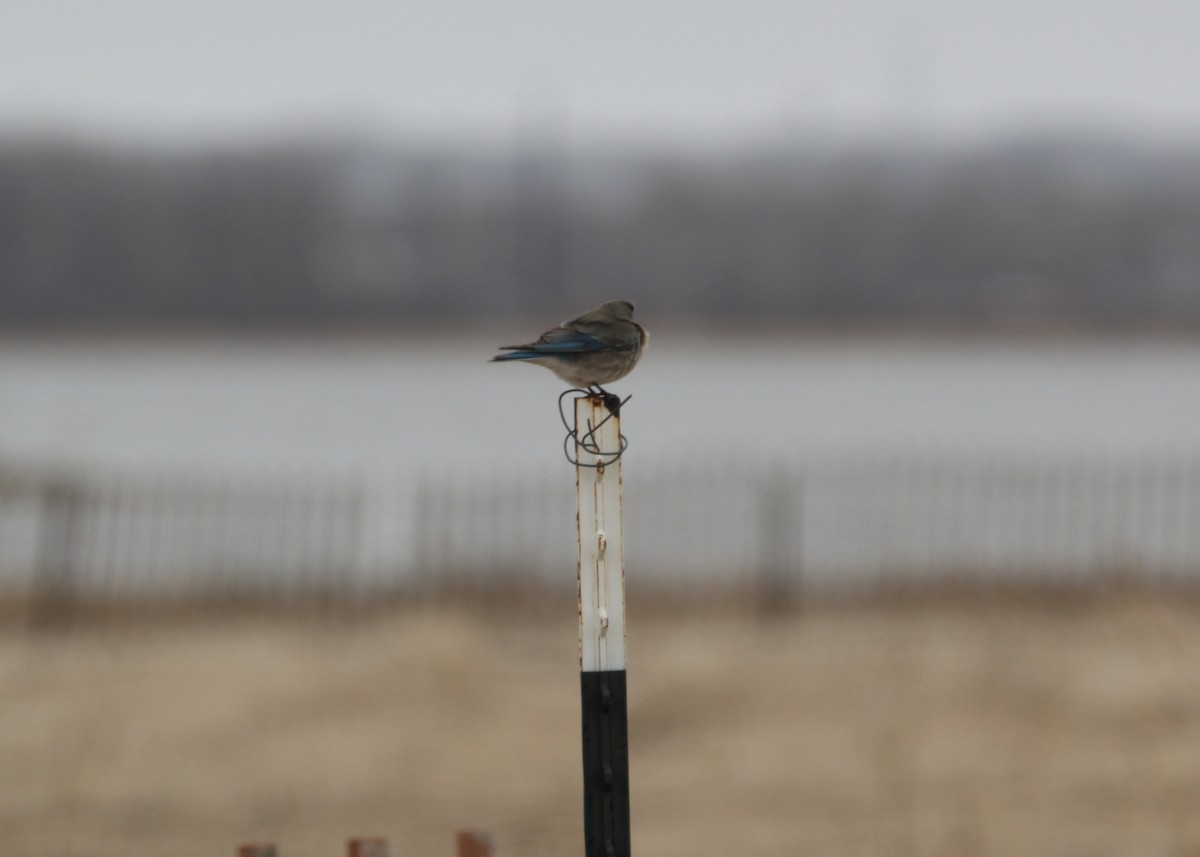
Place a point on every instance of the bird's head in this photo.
(619, 309)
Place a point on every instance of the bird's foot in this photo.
(611, 400)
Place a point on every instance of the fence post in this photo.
(57, 559)
(256, 849)
(777, 514)
(472, 844)
(602, 631)
(373, 846)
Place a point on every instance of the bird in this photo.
(599, 347)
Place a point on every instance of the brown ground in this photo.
(931, 729)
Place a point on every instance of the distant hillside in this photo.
(1075, 231)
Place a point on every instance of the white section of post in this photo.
(601, 542)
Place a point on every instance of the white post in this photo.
(602, 630)
(601, 547)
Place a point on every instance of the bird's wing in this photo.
(562, 340)
(616, 335)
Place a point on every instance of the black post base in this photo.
(605, 764)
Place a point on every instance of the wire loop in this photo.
(587, 442)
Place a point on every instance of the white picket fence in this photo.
(846, 523)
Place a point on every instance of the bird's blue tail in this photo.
(516, 355)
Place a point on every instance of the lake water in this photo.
(432, 401)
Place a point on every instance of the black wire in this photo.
(588, 442)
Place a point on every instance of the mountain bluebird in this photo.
(597, 348)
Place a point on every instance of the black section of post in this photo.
(605, 764)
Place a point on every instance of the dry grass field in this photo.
(936, 727)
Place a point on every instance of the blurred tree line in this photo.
(1080, 231)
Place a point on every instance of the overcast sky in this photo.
(694, 70)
